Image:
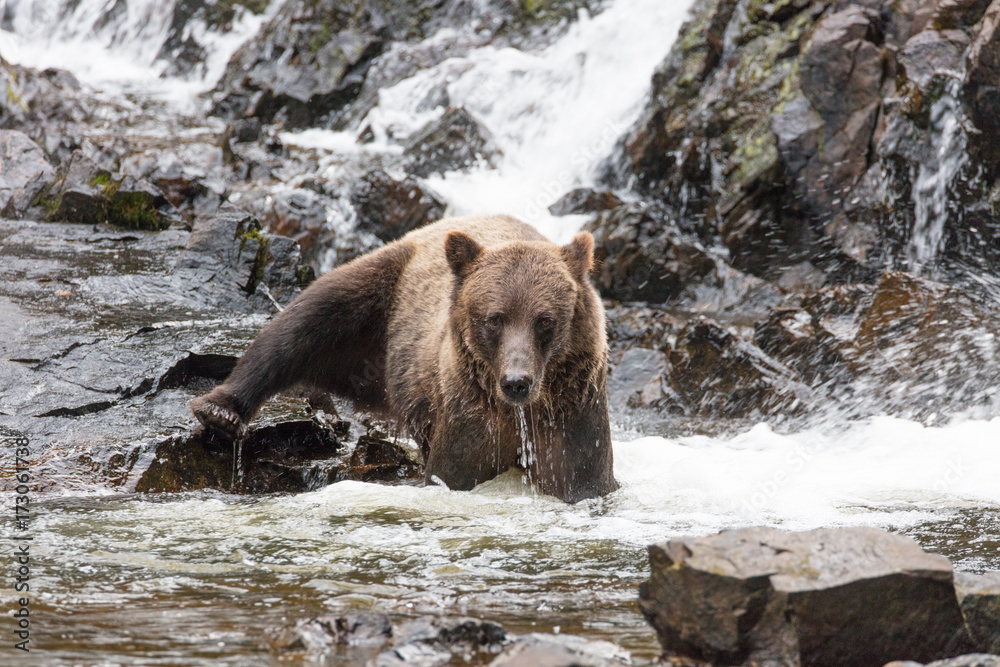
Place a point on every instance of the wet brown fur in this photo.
(401, 331)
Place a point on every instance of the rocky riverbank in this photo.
(799, 228)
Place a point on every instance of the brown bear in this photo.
(486, 340)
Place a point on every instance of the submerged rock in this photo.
(544, 650)
(847, 596)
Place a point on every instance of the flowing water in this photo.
(933, 206)
(204, 578)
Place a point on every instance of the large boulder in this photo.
(454, 142)
(845, 135)
(390, 208)
(24, 173)
(855, 597)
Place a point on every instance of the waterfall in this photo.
(116, 41)
(932, 206)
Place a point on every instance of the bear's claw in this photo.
(217, 418)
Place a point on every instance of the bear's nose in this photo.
(516, 387)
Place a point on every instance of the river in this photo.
(203, 578)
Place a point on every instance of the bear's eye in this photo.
(494, 321)
(546, 323)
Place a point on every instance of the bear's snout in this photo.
(516, 387)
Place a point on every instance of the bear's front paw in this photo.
(219, 418)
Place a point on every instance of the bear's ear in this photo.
(579, 255)
(461, 251)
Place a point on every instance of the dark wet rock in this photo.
(301, 215)
(47, 105)
(642, 257)
(797, 338)
(183, 54)
(432, 640)
(931, 345)
(982, 72)
(454, 142)
(637, 380)
(544, 650)
(842, 135)
(192, 177)
(320, 634)
(714, 372)
(24, 173)
(85, 193)
(389, 208)
(230, 262)
(979, 598)
(847, 596)
(306, 63)
(378, 460)
(117, 331)
(585, 200)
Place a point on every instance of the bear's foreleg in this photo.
(575, 460)
(331, 337)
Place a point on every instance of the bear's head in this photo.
(514, 305)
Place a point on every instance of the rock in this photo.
(301, 215)
(454, 142)
(979, 598)
(585, 200)
(24, 173)
(982, 72)
(832, 134)
(835, 596)
(797, 338)
(85, 193)
(320, 634)
(230, 263)
(378, 460)
(182, 51)
(640, 258)
(328, 49)
(637, 379)
(430, 641)
(49, 106)
(929, 344)
(389, 208)
(544, 650)
(716, 373)
(931, 53)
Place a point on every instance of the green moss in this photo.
(14, 98)
(224, 11)
(305, 275)
(320, 38)
(251, 231)
(100, 180)
(134, 210)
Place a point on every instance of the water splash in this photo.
(932, 205)
(526, 450)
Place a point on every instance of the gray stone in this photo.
(24, 172)
(979, 597)
(637, 379)
(834, 596)
(454, 142)
(545, 650)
